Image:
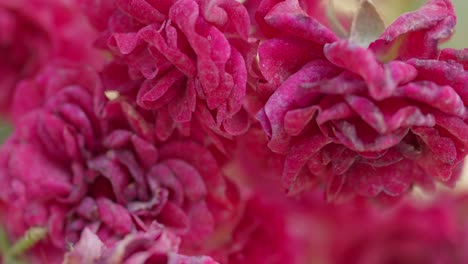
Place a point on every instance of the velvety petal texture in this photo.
(185, 58)
(365, 120)
(81, 161)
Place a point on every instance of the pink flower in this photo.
(271, 230)
(156, 246)
(183, 58)
(52, 78)
(411, 233)
(80, 162)
(307, 229)
(33, 33)
(369, 115)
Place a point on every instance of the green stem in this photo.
(32, 236)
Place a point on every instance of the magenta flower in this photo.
(35, 92)
(33, 33)
(412, 233)
(276, 229)
(67, 168)
(156, 246)
(369, 115)
(271, 230)
(182, 59)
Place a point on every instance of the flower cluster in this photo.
(176, 131)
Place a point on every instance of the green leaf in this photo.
(367, 25)
(335, 23)
(4, 242)
(5, 131)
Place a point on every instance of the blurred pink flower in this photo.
(55, 76)
(36, 31)
(411, 233)
(271, 231)
(79, 161)
(182, 57)
(367, 119)
(276, 229)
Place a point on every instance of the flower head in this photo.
(33, 33)
(368, 115)
(79, 162)
(181, 57)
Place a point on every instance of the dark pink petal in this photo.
(125, 42)
(141, 10)
(296, 120)
(115, 174)
(153, 36)
(43, 178)
(161, 175)
(335, 112)
(56, 225)
(164, 125)
(345, 83)
(457, 127)
(369, 112)
(203, 224)
(443, 147)
(198, 157)
(153, 91)
(183, 105)
(146, 152)
(281, 57)
(298, 157)
(347, 134)
(442, 97)
(117, 139)
(114, 216)
(443, 73)
(227, 13)
(363, 62)
(194, 187)
(237, 124)
(173, 216)
(238, 72)
(460, 56)
(137, 122)
(288, 16)
(334, 185)
(277, 106)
